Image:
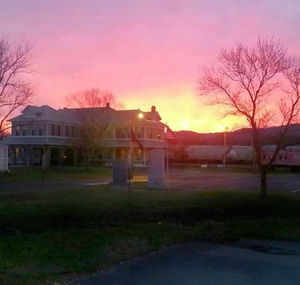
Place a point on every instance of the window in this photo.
(33, 132)
(23, 132)
(159, 135)
(118, 132)
(58, 130)
(73, 132)
(122, 133)
(40, 132)
(139, 132)
(67, 131)
(53, 130)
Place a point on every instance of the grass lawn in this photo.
(60, 234)
(55, 173)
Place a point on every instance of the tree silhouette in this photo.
(247, 81)
(15, 91)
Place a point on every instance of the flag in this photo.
(169, 134)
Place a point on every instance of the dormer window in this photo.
(17, 130)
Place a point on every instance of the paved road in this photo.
(244, 263)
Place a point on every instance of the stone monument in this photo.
(3, 157)
(156, 178)
(120, 173)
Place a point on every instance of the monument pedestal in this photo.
(3, 157)
(120, 173)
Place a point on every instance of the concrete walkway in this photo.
(255, 262)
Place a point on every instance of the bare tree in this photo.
(15, 92)
(95, 122)
(93, 128)
(246, 81)
(92, 98)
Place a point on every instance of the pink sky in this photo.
(146, 52)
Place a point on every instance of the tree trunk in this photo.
(262, 168)
(263, 181)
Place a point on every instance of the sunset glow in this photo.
(146, 52)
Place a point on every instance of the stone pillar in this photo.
(156, 178)
(120, 172)
(3, 157)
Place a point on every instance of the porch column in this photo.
(13, 155)
(144, 157)
(114, 153)
(46, 157)
(60, 155)
(27, 155)
(75, 157)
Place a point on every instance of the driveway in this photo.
(246, 262)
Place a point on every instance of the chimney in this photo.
(153, 109)
(107, 105)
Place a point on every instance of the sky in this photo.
(147, 52)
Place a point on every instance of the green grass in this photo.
(54, 173)
(63, 233)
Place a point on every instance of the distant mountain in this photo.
(238, 137)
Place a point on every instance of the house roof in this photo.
(79, 115)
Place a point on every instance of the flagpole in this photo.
(131, 149)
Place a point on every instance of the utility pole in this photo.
(224, 141)
(167, 149)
